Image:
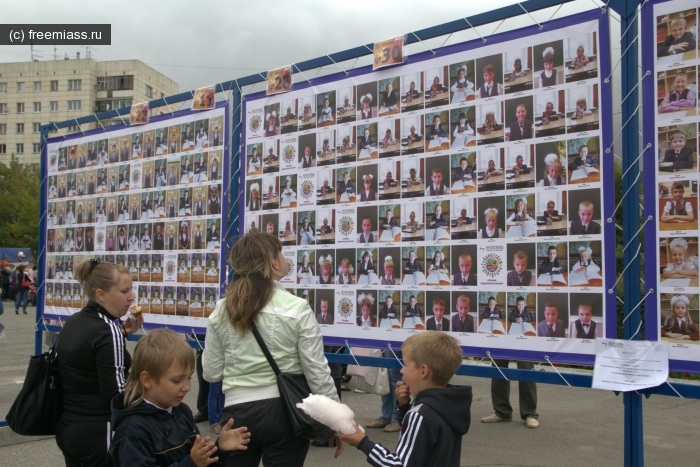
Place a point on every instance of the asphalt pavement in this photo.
(578, 427)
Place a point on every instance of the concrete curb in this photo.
(9, 437)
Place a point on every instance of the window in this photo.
(3, 128)
(149, 91)
(3, 149)
(36, 148)
(19, 148)
(37, 107)
(73, 105)
(74, 85)
(20, 107)
(3, 108)
(37, 86)
(20, 87)
(54, 86)
(54, 106)
(20, 128)
(103, 106)
(73, 128)
(36, 127)
(115, 83)
(3, 87)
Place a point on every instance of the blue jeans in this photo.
(21, 295)
(215, 402)
(389, 403)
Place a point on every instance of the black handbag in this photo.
(294, 388)
(39, 404)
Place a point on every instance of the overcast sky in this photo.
(206, 42)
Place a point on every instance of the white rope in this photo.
(499, 25)
(638, 232)
(392, 351)
(79, 127)
(488, 354)
(414, 35)
(637, 159)
(194, 334)
(639, 9)
(610, 219)
(607, 80)
(607, 151)
(635, 86)
(557, 10)
(621, 275)
(448, 38)
(302, 73)
(98, 121)
(473, 29)
(528, 13)
(674, 390)
(651, 291)
(351, 354)
(341, 68)
(546, 357)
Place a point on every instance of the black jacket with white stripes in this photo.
(431, 430)
(92, 363)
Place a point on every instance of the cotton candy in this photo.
(333, 414)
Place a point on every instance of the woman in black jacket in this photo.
(23, 284)
(94, 362)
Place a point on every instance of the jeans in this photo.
(389, 403)
(215, 402)
(21, 295)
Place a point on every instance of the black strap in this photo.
(266, 351)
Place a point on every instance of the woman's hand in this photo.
(233, 439)
(201, 450)
(131, 326)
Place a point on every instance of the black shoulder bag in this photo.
(39, 404)
(294, 388)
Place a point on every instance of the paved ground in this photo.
(579, 427)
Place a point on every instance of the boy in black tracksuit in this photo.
(433, 425)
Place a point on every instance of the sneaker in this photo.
(216, 429)
(532, 423)
(392, 427)
(493, 418)
(378, 423)
(360, 391)
(200, 417)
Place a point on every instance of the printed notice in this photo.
(629, 365)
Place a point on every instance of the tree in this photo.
(19, 205)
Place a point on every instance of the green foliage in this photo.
(19, 205)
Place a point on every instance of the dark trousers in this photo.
(271, 437)
(84, 444)
(203, 392)
(500, 394)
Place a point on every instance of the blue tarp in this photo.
(11, 254)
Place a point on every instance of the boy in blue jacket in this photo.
(152, 426)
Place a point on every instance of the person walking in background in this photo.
(23, 283)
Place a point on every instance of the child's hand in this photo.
(233, 440)
(680, 46)
(201, 451)
(353, 440)
(403, 393)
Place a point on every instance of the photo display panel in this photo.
(149, 197)
(671, 127)
(460, 193)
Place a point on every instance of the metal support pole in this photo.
(41, 273)
(627, 9)
(234, 164)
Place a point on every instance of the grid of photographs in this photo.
(676, 123)
(460, 194)
(148, 198)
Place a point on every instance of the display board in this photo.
(461, 192)
(671, 127)
(150, 197)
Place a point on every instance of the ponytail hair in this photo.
(94, 275)
(155, 353)
(252, 284)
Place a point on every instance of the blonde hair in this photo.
(94, 276)
(520, 255)
(678, 20)
(252, 284)
(439, 351)
(155, 353)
